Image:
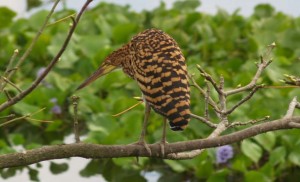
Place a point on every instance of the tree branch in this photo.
(24, 93)
(95, 151)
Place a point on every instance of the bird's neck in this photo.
(122, 58)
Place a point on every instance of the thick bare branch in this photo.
(109, 151)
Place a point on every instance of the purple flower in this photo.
(224, 153)
(56, 109)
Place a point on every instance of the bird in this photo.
(155, 61)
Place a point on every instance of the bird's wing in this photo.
(160, 71)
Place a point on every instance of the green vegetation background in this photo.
(223, 44)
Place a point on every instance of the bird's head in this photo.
(111, 62)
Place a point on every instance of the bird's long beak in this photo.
(102, 70)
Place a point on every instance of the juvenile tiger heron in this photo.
(155, 61)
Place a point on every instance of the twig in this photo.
(27, 116)
(234, 124)
(243, 100)
(204, 120)
(261, 67)
(62, 19)
(209, 78)
(210, 101)
(7, 95)
(9, 68)
(49, 67)
(75, 100)
(291, 108)
(206, 99)
(11, 83)
(9, 116)
(128, 109)
(291, 80)
(35, 39)
(222, 96)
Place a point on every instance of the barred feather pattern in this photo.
(156, 62)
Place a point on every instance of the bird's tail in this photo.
(180, 124)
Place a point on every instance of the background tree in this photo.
(223, 44)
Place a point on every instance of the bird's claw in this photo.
(162, 145)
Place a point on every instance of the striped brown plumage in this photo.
(156, 62)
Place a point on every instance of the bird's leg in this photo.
(163, 138)
(143, 133)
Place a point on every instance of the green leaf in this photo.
(266, 140)
(24, 108)
(186, 5)
(58, 168)
(175, 165)
(6, 17)
(33, 174)
(91, 169)
(17, 139)
(33, 4)
(37, 19)
(256, 176)
(294, 157)
(251, 150)
(277, 156)
(219, 176)
(204, 167)
(122, 33)
(54, 126)
(7, 173)
(263, 10)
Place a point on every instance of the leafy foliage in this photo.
(224, 44)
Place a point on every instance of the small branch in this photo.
(291, 108)
(7, 95)
(191, 154)
(261, 67)
(204, 120)
(49, 67)
(9, 68)
(243, 100)
(234, 124)
(210, 101)
(128, 109)
(294, 125)
(35, 39)
(27, 116)
(222, 96)
(9, 116)
(292, 80)
(11, 83)
(75, 100)
(209, 78)
(62, 19)
(206, 99)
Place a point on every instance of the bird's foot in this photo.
(143, 143)
(162, 145)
